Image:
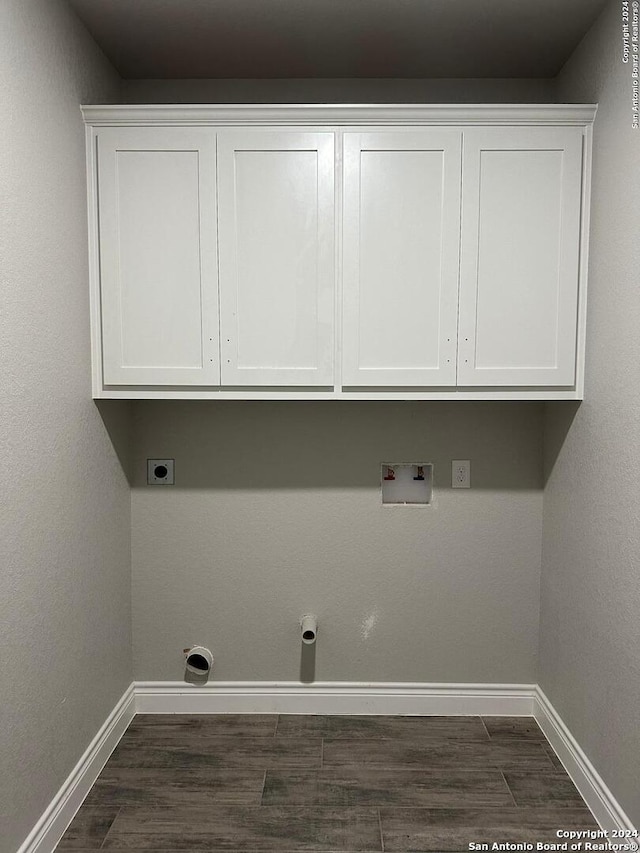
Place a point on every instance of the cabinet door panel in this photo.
(277, 264)
(520, 254)
(400, 255)
(158, 264)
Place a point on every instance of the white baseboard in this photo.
(61, 811)
(333, 697)
(235, 697)
(606, 809)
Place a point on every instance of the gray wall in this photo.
(276, 512)
(64, 502)
(337, 91)
(590, 625)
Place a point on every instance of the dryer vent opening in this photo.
(199, 662)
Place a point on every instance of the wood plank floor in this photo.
(249, 783)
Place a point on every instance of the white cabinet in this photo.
(400, 257)
(520, 256)
(157, 256)
(339, 252)
(277, 258)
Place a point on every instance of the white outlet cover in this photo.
(160, 472)
(461, 474)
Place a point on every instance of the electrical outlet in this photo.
(160, 472)
(461, 474)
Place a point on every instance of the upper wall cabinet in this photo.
(276, 229)
(520, 256)
(401, 238)
(349, 252)
(157, 256)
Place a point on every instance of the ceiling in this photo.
(337, 38)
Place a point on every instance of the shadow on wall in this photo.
(307, 663)
(558, 418)
(117, 417)
(313, 445)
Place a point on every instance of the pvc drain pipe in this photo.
(309, 628)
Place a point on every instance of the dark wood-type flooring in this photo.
(306, 783)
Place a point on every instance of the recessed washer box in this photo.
(406, 483)
(160, 472)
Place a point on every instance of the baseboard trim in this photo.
(606, 809)
(171, 697)
(62, 809)
(331, 697)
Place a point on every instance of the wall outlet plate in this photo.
(160, 472)
(461, 474)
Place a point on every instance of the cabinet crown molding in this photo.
(337, 114)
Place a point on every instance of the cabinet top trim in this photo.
(338, 114)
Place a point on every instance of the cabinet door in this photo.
(520, 251)
(158, 265)
(401, 255)
(277, 264)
